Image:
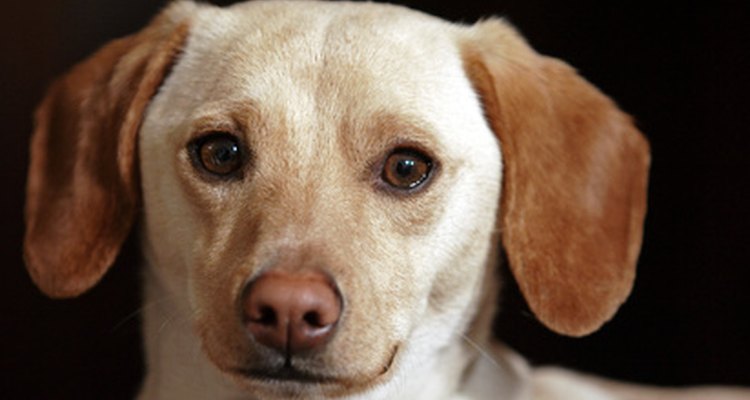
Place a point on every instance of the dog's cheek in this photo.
(463, 255)
(167, 225)
(461, 252)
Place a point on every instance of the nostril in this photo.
(313, 319)
(267, 316)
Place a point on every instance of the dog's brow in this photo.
(392, 129)
(237, 116)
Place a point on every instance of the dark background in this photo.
(681, 71)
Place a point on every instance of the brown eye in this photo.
(218, 153)
(406, 169)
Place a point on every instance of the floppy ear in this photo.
(82, 189)
(574, 180)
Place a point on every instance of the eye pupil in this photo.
(219, 154)
(224, 153)
(406, 169)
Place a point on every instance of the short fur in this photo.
(526, 153)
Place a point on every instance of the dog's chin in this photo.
(289, 380)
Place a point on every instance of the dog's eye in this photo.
(406, 169)
(218, 153)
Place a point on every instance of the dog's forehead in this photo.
(311, 58)
(326, 34)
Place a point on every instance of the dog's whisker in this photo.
(138, 311)
(127, 319)
(485, 354)
(167, 320)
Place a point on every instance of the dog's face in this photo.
(355, 148)
(322, 105)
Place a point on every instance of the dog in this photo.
(322, 192)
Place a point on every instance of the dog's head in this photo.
(367, 158)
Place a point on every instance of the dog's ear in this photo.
(574, 180)
(82, 189)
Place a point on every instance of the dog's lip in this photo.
(290, 374)
(286, 374)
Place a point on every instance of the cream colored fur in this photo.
(318, 91)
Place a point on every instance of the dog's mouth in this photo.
(291, 376)
(287, 373)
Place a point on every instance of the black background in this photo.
(680, 70)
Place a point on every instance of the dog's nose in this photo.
(291, 312)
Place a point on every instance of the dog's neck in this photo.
(469, 368)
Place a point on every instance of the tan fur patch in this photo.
(574, 196)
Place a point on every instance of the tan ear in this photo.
(82, 189)
(574, 185)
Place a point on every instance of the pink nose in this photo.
(291, 312)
